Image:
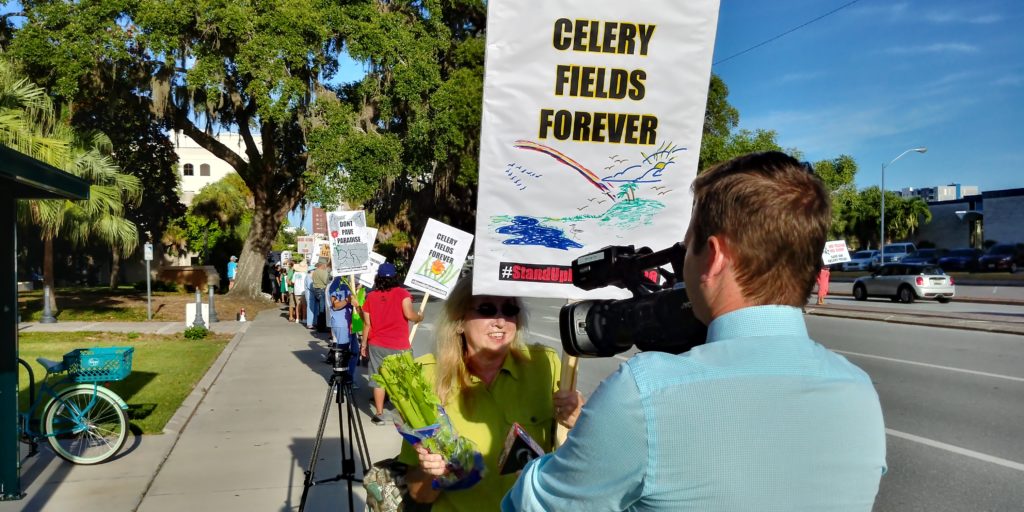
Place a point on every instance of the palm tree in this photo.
(626, 190)
(28, 124)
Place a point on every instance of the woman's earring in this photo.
(459, 330)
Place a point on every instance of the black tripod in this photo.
(340, 391)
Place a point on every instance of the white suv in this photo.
(894, 253)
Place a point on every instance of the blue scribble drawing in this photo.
(529, 231)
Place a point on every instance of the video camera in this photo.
(339, 356)
(657, 317)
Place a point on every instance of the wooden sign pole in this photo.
(423, 307)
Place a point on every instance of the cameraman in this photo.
(760, 417)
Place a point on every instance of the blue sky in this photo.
(877, 78)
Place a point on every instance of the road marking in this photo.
(545, 336)
(956, 449)
(927, 365)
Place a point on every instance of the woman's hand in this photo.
(364, 350)
(431, 463)
(567, 407)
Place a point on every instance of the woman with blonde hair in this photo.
(487, 378)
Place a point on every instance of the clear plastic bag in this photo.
(465, 463)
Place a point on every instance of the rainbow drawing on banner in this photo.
(557, 155)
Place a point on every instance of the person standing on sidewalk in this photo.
(299, 279)
(386, 316)
(487, 378)
(760, 416)
(823, 278)
(321, 277)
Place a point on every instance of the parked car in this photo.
(1002, 257)
(905, 283)
(925, 256)
(894, 253)
(860, 260)
(961, 259)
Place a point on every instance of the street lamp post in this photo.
(881, 242)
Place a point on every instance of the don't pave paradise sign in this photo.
(591, 131)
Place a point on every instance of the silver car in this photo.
(860, 260)
(905, 283)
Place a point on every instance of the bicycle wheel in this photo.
(85, 436)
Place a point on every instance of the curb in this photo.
(975, 300)
(927, 321)
(176, 425)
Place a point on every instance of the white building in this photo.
(951, 192)
(198, 167)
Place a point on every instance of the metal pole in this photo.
(881, 243)
(213, 311)
(198, 322)
(149, 293)
(48, 317)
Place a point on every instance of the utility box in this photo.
(190, 314)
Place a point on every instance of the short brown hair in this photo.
(775, 213)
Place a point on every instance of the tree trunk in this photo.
(266, 221)
(48, 274)
(115, 268)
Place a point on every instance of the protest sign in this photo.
(591, 131)
(439, 258)
(835, 252)
(350, 253)
(366, 278)
(304, 246)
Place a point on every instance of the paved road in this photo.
(953, 402)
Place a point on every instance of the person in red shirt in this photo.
(386, 316)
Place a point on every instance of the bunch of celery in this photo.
(420, 407)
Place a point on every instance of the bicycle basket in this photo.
(97, 364)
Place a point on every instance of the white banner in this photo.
(835, 252)
(350, 251)
(366, 278)
(591, 131)
(439, 258)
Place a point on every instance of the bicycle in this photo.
(84, 421)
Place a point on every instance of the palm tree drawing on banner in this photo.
(626, 190)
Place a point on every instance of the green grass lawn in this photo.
(90, 304)
(164, 368)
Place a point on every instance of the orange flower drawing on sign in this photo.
(437, 267)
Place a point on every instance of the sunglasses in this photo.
(489, 310)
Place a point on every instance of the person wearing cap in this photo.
(232, 271)
(386, 316)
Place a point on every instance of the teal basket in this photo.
(106, 364)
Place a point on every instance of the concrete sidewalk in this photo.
(241, 441)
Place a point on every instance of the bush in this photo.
(196, 333)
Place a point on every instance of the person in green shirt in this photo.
(487, 378)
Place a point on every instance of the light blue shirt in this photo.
(759, 418)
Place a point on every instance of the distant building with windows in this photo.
(951, 192)
(199, 167)
(319, 221)
(996, 215)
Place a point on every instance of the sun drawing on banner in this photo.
(437, 270)
(627, 196)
